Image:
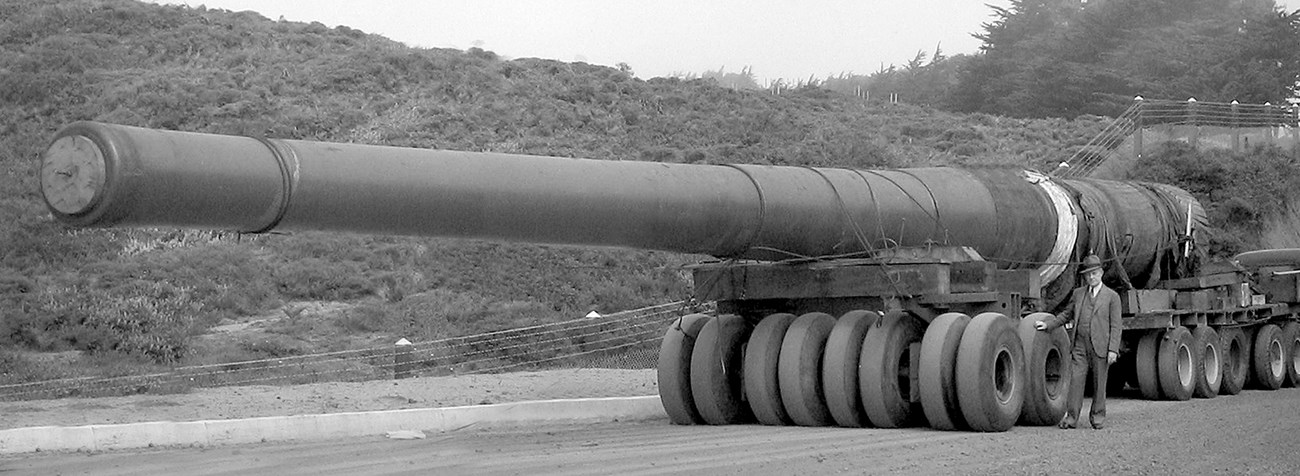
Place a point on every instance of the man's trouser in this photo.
(1082, 357)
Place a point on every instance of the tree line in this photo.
(1065, 58)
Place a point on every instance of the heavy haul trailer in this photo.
(847, 297)
(1233, 324)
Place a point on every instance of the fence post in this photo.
(403, 359)
(1137, 128)
(1194, 121)
(1271, 123)
(1236, 127)
(1293, 123)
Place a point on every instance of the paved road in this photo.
(1255, 432)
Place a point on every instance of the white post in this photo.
(403, 359)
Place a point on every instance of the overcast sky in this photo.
(790, 39)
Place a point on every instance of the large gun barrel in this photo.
(97, 174)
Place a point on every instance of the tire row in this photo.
(1201, 362)
(982, 373)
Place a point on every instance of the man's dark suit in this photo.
(1104, 326)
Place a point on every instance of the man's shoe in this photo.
(1066, 423)
(1097, 425)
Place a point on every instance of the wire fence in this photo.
(1198, 113)
(1097, 150)
(624, 340)
(1149, 113)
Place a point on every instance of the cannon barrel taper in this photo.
(96, 174)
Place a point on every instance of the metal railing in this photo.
(1149, 113)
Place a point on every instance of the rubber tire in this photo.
(716, 364)
(991, 373)
(800, 369)
(1291, 342)
(760, 369)
(1131, 365)
(1120, 375)
(883, 380)
(937, 377)
(1209, 366)
(840, 368)
(1176, 364)
(1145, 364)
(1268, 357)
(674, 369)
(1234, 351)
(1047, 371)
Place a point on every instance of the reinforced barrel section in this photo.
(96, 174)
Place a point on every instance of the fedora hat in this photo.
(1090, 263)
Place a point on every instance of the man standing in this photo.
(1095, 310)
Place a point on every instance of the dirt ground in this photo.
(330, 397)
(1252, 433)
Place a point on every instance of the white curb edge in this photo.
(323, 426)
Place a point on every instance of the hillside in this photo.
(142, 295)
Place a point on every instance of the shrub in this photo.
(319, 279)
(275, 345)
(369, 317)
(17, 368)
(154, 323)
(1241, 191)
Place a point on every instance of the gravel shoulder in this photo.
(330, 397)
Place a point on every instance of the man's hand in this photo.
(1111, 357)
(1040, 325)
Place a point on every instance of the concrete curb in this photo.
(324, 426)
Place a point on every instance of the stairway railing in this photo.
(1145, 113)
